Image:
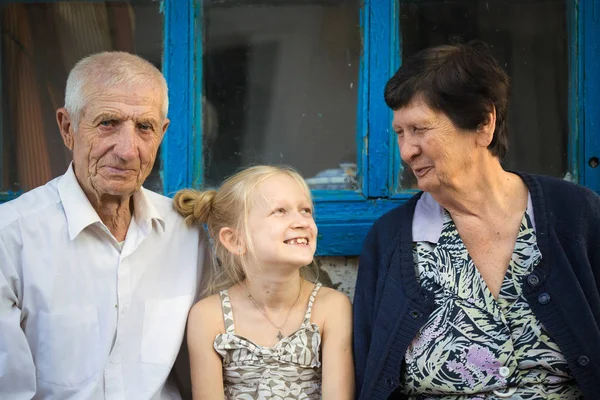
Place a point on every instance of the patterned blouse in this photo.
(475, 346)
(289, 370)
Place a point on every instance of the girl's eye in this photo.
(307, 211)
(279, 211)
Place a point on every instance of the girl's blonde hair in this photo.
(229, 206)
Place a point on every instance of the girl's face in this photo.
(281, 224)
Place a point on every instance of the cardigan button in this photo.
(583, 361)
(415, 314)
(533, 280)
(389, 382)
(544, 298)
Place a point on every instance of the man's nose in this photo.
(126, 147)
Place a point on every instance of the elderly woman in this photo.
(485, 285)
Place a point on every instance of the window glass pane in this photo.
(40, 43)
(280, 87)
(529, 39)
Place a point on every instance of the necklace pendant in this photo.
(279, 335)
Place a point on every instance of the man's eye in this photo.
(107, 123)
(145, 127)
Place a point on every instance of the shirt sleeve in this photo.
(17, 371)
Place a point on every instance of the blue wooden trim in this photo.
(590, 14)
(8, 196)
(575, 41)
(178, 50)
(362, 108)
(197, 65)
(395, 62)
(378, 52)
(343, 226)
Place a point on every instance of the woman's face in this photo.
(439, 153)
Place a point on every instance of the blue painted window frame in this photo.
(345, 217)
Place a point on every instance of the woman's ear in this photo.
(485, 131)
(229, 238)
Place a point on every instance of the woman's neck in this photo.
(273, 291)
(484, 191)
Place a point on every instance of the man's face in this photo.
(115, 144)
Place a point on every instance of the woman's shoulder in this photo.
(562, 199)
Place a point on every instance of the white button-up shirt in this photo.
(82, 317)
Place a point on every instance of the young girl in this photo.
(265, 332)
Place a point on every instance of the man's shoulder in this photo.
(164, 206)
(34, 202)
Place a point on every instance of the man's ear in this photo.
(229, 238)
(65, 125)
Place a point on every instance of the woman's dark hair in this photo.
(463, 81)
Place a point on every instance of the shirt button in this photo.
(583, 361)
(533, 280)
(544, 298)
(504, 372)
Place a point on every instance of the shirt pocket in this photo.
(66, 347)
(164, 324)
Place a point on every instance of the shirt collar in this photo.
(80, 214)
(428, 219)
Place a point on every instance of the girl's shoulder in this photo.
(207, 312)
(330, 301)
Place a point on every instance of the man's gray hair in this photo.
(110, 69)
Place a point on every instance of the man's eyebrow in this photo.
(105, 116)
(147, 120)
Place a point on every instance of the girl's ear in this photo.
(229, 238)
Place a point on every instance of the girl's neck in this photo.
(273, 292)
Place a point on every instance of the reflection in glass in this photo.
(40, 43)
(280, 87)
(529, 40)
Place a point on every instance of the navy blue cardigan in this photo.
(390, 306)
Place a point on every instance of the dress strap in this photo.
(227, 311)
(311, 301)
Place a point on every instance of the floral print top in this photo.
(290, 370)
(475, 346)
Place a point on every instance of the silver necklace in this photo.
(278, 327)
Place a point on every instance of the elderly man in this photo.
(97, 274)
